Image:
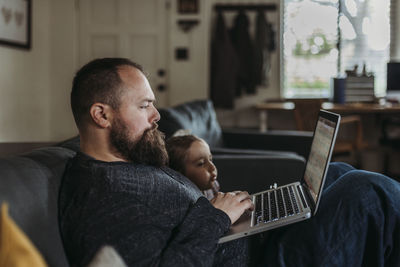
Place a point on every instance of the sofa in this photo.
(29, 183)
(200, 118)
(246, 159)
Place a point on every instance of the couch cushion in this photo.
(71, 143)
(254, 173)
(29, 184)
(107, 256)
(198, 116)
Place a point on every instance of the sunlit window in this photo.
(323, 38)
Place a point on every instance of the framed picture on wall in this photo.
(188, 6)
(15, 23)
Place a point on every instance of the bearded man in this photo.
(118, 191)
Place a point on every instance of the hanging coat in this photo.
(264, 46)
(224, 67)
(244, 47)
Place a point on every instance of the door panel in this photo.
(103, 46)
(134, 29)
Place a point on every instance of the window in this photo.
(324, 38)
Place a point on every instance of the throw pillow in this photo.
(16, 250)
(107, 256)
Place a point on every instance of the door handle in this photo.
(161, 87)
(161, 72)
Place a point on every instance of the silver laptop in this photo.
(287, 204)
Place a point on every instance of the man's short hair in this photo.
(98, 81)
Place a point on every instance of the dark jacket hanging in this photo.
(224, 67)
(245, 51)
(264, 46)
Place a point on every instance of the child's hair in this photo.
(177, 147)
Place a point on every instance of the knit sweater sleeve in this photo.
(149, 221)
(148, 240)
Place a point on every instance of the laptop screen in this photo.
(320, 153)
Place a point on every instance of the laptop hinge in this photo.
(308, 197)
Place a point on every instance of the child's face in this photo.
(198, 165)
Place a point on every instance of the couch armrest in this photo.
(279, 140)
(255, 173)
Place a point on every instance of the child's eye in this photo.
(200, 163)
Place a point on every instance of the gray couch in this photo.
(200, 118)
(246, 159)
(29, 182)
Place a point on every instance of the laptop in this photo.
(287, 204)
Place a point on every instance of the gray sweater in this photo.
(151, 216)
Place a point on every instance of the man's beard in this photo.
(149, 149)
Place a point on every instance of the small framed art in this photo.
(15, 23)
(188, 6)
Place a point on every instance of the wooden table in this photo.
(264, 107)
(347, 108)
(370, 108)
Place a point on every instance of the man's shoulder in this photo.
(121, 175)
(87, 178)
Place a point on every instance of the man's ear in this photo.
(101, 114)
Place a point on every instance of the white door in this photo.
(135, 29)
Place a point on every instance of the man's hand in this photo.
(233, 203)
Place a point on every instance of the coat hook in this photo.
(187, 24)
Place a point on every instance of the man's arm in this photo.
(152, 238)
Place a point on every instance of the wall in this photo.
(189, 79)
(34, 84)
(24, 84)
(243, 114)
(63, 64)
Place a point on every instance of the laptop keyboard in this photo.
(275, 204)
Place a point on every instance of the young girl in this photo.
(191, 156)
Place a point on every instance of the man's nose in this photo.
(155, 116)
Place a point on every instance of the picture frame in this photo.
(188, 6)
(15, 23)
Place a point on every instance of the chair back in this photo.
(306, 113)
(197, 116)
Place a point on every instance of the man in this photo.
(120, 175)
(117, 191)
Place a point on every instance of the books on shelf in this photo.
(359, 89)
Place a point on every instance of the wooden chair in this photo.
(390, 140)
(305, 114)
